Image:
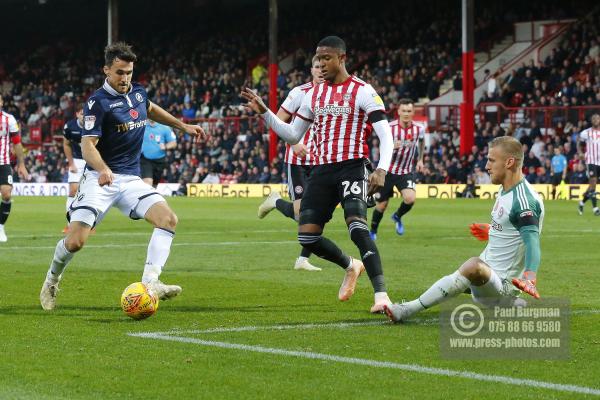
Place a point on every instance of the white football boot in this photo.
(302, 263)
(163, 291)
(3, 237)
(397, 312)
(48, 295)
(268, 205)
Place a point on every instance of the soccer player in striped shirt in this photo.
(298, 159)
(338, 112)
(592, 158)
(408, 136)
(510, 261)
(9, 132)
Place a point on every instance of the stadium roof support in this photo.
(467, 115)
(273, 139)
(113, 21)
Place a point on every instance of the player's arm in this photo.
(92, 156)
(160, 115)
(421, 155)
(528, 226)
(170, 140)
(13, 128)
(291, 133)
(285, 114)
(68, 151)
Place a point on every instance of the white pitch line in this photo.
(117, 246)
(378, 364)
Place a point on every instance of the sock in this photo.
(61, 259)
(69, 202)
(377, 215)
(286, 208)
(4, 211)
(448, 286)
(554, 193)
(587, 195)
(594, 199)
(324, 248)
(305, 253)
(158, 252)
(359, 233)
(403, 209)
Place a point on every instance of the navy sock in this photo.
(359, 233)
(403, 209)
(286, 208)
(324, 248)
(4, 211)
(377, 216)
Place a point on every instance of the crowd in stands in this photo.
(569, 76)
(202, 78)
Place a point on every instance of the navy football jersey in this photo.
(72, 132)
(119, 121)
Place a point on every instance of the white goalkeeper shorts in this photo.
(495, 292)
(128, 193)
(75, 177)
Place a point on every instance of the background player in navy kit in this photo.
(407, 135)
(115, 117)
(158, 138)
(72, 148)
(298, 158)
(9, 133)
(338, 111)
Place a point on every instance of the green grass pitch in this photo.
(236, 272)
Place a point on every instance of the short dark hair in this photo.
(120, 50)
(405, 101)
(334, 42)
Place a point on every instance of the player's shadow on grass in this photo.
(63, 311)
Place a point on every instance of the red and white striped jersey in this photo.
(339, 114)
(8, 127)
(291, 105)
(592, 138)
(406, 143)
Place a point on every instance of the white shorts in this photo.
(74, 177)
(128, 193)
(495, 292)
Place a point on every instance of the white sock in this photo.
(448, 286)
(61, 258)
(69, 202)
(158, 252)
(581, 203)
(302, 259)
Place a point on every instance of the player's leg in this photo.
(318, 203)
(407, 189)
(352, 188)
(297, 185)
(157, 171)
(274, 200)
(590, 193)
(382, 198)
(73, 186)
(139, 201)
(473, 273)
(302, 262)
(6, 181)
(146, 169)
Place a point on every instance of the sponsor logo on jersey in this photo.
(134, 114)
(127, 126)
(89, 121)
(117, 104)
(496, 226)
(331, 109)
(139, 97)
(527, 213)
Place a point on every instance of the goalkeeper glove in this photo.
(480, 231)
(527, 284)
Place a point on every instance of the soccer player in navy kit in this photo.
(115, 117)
(72, 148)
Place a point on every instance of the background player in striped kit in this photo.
(338, 111)
(591, 136)
(9, 132)
(510, 260)
(298, 158)
(407, 135)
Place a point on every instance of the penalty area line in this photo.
(376, 364)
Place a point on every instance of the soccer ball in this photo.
(138, 302)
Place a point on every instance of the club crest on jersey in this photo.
(347, 97)
(134, 114)
(88, 122)
(139, 97)
(298, 189)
